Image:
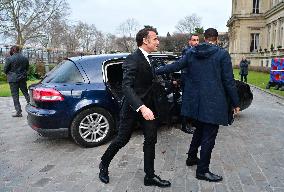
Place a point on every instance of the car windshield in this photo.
(65, 72)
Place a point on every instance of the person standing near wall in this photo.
(244, 69)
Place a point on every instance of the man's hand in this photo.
(236, 110)
(147, 113)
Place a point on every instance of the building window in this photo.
(254, 44)
(255, 6)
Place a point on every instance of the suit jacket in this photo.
(209, 84)
(16, 68)
(137, 80)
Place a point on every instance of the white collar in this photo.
(145, 54)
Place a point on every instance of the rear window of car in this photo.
(65, 72)
(93, 69)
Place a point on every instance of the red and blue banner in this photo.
(277, 70)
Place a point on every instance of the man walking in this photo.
(208, 86)
(16, 68)
(139, 106)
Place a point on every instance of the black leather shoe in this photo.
(187, 129)
(209, 177)
(103, 175)
(192, 161)
(156, 181)
(17, 115)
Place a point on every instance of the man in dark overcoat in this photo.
(244, 69)
(16, 68)
(208, 87)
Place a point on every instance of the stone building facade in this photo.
(256, 31)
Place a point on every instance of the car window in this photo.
(65, 72)
(93, 69)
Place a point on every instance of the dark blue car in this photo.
(81, 98)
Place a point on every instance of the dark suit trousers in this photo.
(128, 118)
(204, 136)
(14, 87)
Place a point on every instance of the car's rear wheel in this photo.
(92, 127)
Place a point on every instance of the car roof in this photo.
(99, 57)
(104, 57)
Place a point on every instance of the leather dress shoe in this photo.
(156, 181)
(103, 175)
(17, 115)
(211, 177)
(192, 161)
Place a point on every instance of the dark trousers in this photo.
(204, 136)
(244, 77)
(14, 87)
(128, 117)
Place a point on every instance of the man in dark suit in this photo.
(16, 68)
(208, 87)
(138, 105)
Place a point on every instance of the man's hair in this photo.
(143, 33)
(211, 34)
(192, 34)
(15, 49)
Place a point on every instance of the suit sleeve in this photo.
(129, 73)
(228, 79)
(7, 66)
(173, 67)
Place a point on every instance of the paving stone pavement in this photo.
(249, 155)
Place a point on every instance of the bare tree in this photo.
(70, 38)
(52, 35)
(179, 40)
(86, 35)
(98, 45)
(110, 43)
(127, 30)
(188, 24)
(24, 20)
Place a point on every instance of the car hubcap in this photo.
(94, 127)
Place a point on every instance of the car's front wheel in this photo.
(92, 127)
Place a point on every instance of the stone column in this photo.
(282, 31)
(270, 36)
(277, 33)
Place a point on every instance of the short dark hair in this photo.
(144, 33)
(192, 34)
(211, 34)
(15, 48)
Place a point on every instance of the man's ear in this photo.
(145, 40)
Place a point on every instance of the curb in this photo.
(264, 90)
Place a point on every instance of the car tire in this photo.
(92, 127)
